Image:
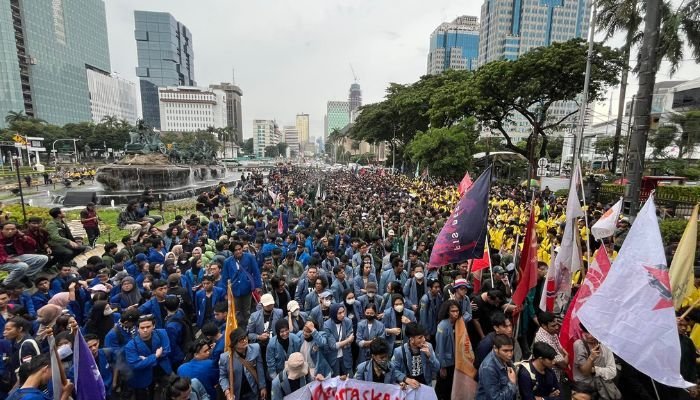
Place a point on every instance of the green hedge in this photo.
(613, 188)
(679, 193)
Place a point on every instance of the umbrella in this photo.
(622, 181)
(533, 182)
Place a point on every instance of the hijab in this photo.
(60, 299)
(335, 307)
(134, 295)
(47, 316)
(177, 250)
(98, 323)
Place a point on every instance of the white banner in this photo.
(351, 389)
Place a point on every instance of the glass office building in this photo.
(454, 45)
(45, 49)
(165, 56)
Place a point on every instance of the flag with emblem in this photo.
(463, 236)
(88, 381)
(606, 225)
(632, 311)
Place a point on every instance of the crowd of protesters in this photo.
(330, 276)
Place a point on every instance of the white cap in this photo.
(267, 299)
(292, 306)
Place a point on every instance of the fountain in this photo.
(173, 173)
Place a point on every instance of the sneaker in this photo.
(27, 282)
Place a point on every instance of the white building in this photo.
(191, 109)
(265, 133)
(111, 95)
(291, 137)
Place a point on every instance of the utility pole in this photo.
(647, 79)
(586, 84)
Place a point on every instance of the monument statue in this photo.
(144, 141)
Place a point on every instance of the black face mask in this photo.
(370, 317)
(308, 339)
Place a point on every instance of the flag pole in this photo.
(692, 306)
(585, 214)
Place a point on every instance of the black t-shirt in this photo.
(208, 309)
(484, 313)
(10, 248)
(376, 378)
(420, 289)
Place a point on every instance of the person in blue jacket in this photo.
(497, 378)
(295, 375)
(415, 288)
(396, 316)
(147, 356)
(156, 254)
(41, 297)
(378, 367)
(445, 347)
(368, 329)
(175, 325)
(206, 299)
(60, 282)
(340, 336)
(159, 290)
(200, 365)
(211, 331)
(415, 361)
(281, 346)
(116, 339)
(242, 270)
(105, 358)
(37, 374)
(262, 322)
(429, 307)
(246, 386)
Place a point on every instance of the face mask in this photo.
(398, 308)
(350, 301)
(370, 317)
(382, 364)
(308, 339)
(327, 303)
(370, 295)
(107, 311)
(64, 351)
(419, 275)
(295, 313)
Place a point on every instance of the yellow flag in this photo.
(231, 323)
(682, 271)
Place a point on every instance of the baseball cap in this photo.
(267, 299)
(460, 283)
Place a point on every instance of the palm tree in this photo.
(617, 16)
(110, 121)
(15, 116)
(685, 129)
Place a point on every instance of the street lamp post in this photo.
(21, 194)
(75, 149)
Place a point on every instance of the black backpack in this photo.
(187, 331)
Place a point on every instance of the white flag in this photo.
(605, 226)
(568, 260)
(632, 312)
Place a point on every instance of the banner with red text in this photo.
(351, 389)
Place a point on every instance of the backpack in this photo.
(525, 364)
(187, 331)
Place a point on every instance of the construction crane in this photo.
(353, 72)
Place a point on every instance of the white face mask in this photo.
(350, 301)
(419, 275)
(398, 308)
(64, 351)
(327, 303)
(295, 313)
(370, 295)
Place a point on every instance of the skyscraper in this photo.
(265, 133)
(45, 49)
(454, 45)
(337, 116)
(303, 128)
(234, 117)
(291, 137)
(355, 97)
(510, 28)
(166, 58)
(111, 96)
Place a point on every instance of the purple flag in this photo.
(88, 381)
(464, 235)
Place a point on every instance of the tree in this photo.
(687, 129)
(272, 151)
(554, 147)
(190, 139)
(489, 144)
(15, 116)
(248, 147)
(660, 140)
(446, 152)
(530, 85)
(282, 149)
(605, 146)
(110, 121)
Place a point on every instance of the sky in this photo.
(294, 56)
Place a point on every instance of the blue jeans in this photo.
(29, 265)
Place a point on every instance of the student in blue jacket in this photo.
(246, 357)
(445, 347)
(176, 325)
(367, 330)
(37, 373)
(415, 361)
(206, 299)
(340, 336)
(243, 271)
(145, 354)
(105, 358)
(201, 366)
(378, 368)
(153, 306)
(281, 346)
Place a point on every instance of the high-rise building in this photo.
(291, 137)
(45, 49)
(191, 109)
(303, 128)
(337, 116)
(510, 28)
(265, 133)
(355, 97)
(166, 58)
(234, 117)
(111, 96)
(454, 45)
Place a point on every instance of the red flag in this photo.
(570, 327)
(528, 262)
(280, 224)
(465, 184)
(483, 262)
